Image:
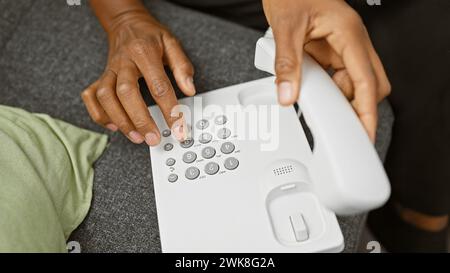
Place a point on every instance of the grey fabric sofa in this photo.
(49, 52)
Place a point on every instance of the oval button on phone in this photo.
(231, 163)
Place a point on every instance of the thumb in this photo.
(288, 61)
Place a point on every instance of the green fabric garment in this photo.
(46, 179)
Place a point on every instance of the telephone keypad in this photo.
(214, 154)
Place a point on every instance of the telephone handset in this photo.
(354, 180)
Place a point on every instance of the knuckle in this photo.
(123, 125)
(140, 123)
(368, 84)
(283, 21)
(104, 93)
(125, 90)
(184, 66)
(350, 23)
(352, 19)
(171, 40)
(284, 65)
(138, 46)
(160, 87)
(86, 93)
(97, 117)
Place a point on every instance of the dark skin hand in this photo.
(139, 46)
(333, 34)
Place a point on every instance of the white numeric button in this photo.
(166, 133)
(172, 178)
(208, 152)
(189, 157)
(205, 138)
(220, 120)
(211, 168)
(192, 173)
(202, 124)
(168, 146)
(224, 133)
(227, 148)
(170, 162)
(231, 163)
(187, 143)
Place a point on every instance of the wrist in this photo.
(127, 17)
(112, 14)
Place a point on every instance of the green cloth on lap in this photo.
(46, 179)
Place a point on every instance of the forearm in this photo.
(109, 12)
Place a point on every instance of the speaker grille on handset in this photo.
(283, 170)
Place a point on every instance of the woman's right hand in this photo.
(139, 46)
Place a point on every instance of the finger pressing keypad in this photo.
(213, 161)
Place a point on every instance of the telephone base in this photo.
(234, 192)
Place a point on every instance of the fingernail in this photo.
(135, 137)
(178, 132)
(190, 85)
(285, 92)
(179, 129)
(152, 139)
(112, 127)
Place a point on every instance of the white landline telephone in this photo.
(220, 192)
